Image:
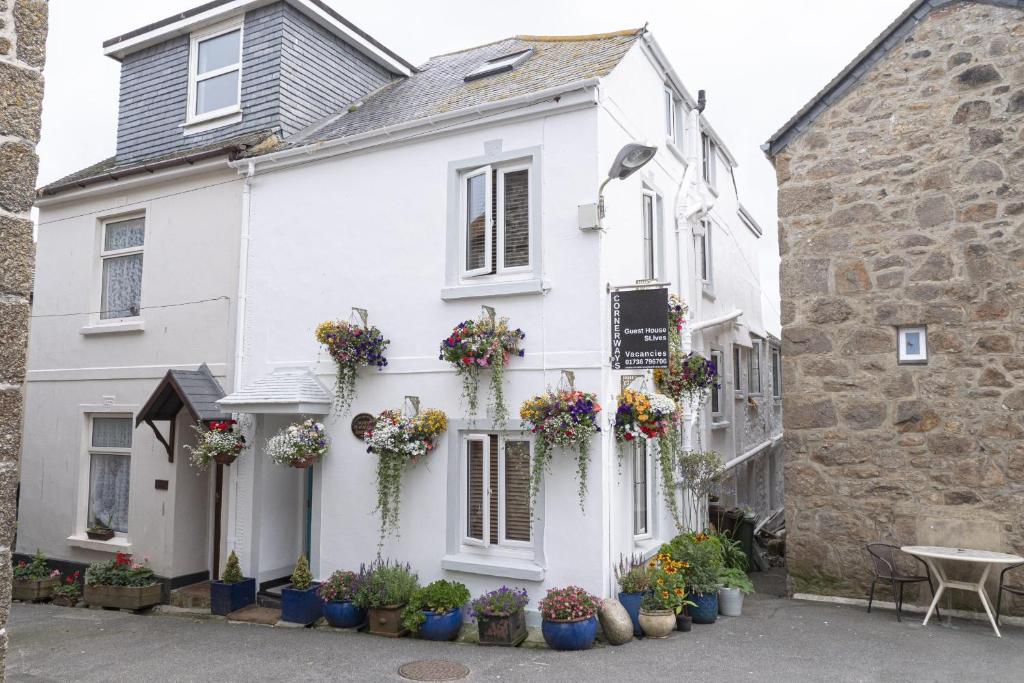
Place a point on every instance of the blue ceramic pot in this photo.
(570, 635)
(631, 601)
(441, 626)
(705, 611)
(343, 614)
(301, 606)
(226, 598)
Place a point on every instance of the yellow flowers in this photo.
(432, 422)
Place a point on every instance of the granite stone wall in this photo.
(903, 204)
(23, 25)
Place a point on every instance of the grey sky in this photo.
(759, 62)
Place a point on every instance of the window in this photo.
(736, 382)
(754, 368)
(913, 345)
(716, 388)
(496, 491)
(704, 253)
(215, 72)
(776, 372)
(110, 449)
(710, 152)
(670, 115)
(641, 489)
(495, 220)
(121, 257)
(499, 64)
(649, 208)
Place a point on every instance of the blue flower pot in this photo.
(226, 598)
(570, 635)
(441, 626)
(301, 606)
(631, 601)
(343, 614)
(705, 611)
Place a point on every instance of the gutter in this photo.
(712, 322)
(740, 459)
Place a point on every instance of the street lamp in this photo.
(627, 162)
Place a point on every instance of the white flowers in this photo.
(299, 444)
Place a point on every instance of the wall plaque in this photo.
(639, 328)
(362, 423)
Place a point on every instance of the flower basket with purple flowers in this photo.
(351, 346)
(299, 445)
(476, 345)
(499, 616)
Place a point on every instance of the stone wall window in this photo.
(776, 372)
(495, 210)
(121, 256)
(913, 345)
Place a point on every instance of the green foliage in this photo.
(301, 578)
(439, 597)
(232, 572)
(703, 556)
(736, 578)
(386, 584)
(120, 571)
(733, 556)
(32, 571)
(633, 574)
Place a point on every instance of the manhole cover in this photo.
(433, 670)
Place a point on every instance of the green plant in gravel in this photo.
(633, 574)
(232, 572)
(439, 597)
(32, 571)
(703, 555)
(736, 578)
(301, 577)
(386, 584)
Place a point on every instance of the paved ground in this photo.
(777, 639)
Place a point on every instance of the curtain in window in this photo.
(108, 490)
(517, 490)
(112, 432)
(517, 219)
(122, 286)
(124, 234)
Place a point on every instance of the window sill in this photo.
(674, 148)
(505, 567)
(719, 424)
(203, 125)
(117, 544)
(486, 289)
(119, 327)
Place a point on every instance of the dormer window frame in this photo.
(219, 116)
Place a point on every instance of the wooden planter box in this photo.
(33, 590)
(123, 597)
(387, 621)
(508, 631)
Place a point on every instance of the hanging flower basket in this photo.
(475, 345)
(643, 414)
(351, 346)
(399, 442)
(561, 419)
(221, 442)
(299, 445)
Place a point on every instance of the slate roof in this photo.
(893, 35)
(285, 386)
(439, 86)
(197, 391)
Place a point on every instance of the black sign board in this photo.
(639, 329)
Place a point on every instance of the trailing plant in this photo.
(351, 346)
(232, 571)
(703, 556)
(569, 604)
(341, 586)
(633, 574)
(69, 588)
(385, 584)
(499, 603)
(474, 345)
(439, 597)
(668, 584)
(701, 471)
(561, 419)
(35, 570)
(299, 445)
(121, 571)
(222, 438)
(302, 579)
(643, 414)
(731, 577)
(399, 442)
(688, 378)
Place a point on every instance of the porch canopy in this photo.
(289, 391)
(195, 391)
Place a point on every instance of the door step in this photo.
(255, 614)
(270, 597)
(194, 596)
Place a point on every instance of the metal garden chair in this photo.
(885, 567)
(1017, 589)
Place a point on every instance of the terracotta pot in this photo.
(387, 621)
(303, 463)
(657, 623)
(225, 458)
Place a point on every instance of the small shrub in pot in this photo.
(733, 585)
(33, 580)
(233, 591)
(300, 603)
(499, 616)
(384, 592)
(435, 611)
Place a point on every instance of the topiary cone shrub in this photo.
(232, 572)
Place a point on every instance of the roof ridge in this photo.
(549, 39)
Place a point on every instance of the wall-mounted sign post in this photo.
(639, 328)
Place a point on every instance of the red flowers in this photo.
(123, 560)
(222, 425)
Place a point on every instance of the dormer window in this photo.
(499, 64)
(215, 72)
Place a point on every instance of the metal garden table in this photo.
(933, 555)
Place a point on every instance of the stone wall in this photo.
(23, 26)
(903, 203)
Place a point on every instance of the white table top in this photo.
(962, 554)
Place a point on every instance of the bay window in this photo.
(496, 511)
(121, 257)
(109, 458)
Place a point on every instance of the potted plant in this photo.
(300, 603)
(475, 345)
(667, 596)
(68, 591)
(499, 616)
(569, 620)
(101, 529)
(351, 346)
(33, 580)
(561, 419)
(222, 442)
(338, 592)
(299, 445)
(733, 585)
(399, 442)
(634, 582)
(703, 556)
(121, 583)
(435, 611)
(233, 591)
(384, 592)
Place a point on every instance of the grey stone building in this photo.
(901, 209)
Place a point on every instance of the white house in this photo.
(347, 188)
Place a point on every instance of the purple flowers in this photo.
(499, 603)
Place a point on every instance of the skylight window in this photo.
(499, 64)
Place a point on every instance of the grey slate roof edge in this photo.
(855, 70)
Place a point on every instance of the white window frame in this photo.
(652, 197)
(705, 256)
(717, 415)
(912, 359)
(91, 450)
(649, 473)
(754, 384)
(669, 109)
(776, 358)
(498, 194)
(709, 158)
(737, 364)
(114, 253)
(504, 170)
(486, 171)
(197, 37)
(504, 547)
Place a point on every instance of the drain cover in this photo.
(433, 670)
